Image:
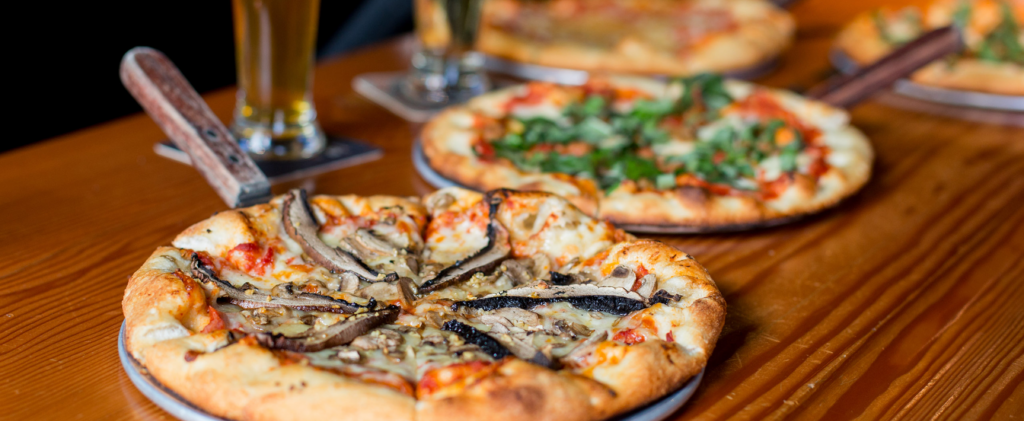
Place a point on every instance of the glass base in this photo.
(438, 80)
(279, 143)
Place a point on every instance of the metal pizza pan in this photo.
(566, 76)
(183, 410)
(954, 97)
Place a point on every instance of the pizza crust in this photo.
(447, 140)
(763, 32)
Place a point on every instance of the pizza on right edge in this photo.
(695, 154)
(669, 37)
(992, 62)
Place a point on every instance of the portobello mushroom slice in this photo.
(485, 260)
(496, 346)
(254, 298)
(302, 227)
(586, 297)
(334, 335)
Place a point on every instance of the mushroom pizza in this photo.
(504, 305)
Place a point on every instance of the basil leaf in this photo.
(665, 181)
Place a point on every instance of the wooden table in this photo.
(905, 302)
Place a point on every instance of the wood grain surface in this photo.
(907, 302)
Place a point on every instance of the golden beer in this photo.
(274, 46)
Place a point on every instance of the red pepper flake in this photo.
(248, 257)
(216, 321)
(629, 337)
(670, 337)
(641, 271)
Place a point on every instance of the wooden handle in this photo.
(183, 115)
(845, 91)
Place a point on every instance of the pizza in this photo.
(670, 37)
(992, 62)
(461, 305)
(694, 154)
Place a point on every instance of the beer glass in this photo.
(445, 69)
(274, 46)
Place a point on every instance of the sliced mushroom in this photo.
(587, 297)
(484, 260)
(519, 274)
(302, 227)
(498, 349)
(348, 282)
(647, 284)
(250, 297)
(586, 346)
(378, 339)
(471, 335)
(350, 356)
(400, 290)
(367, 246)
(567, 329)
(523, 319)
(498, 324)
(340, 333)
(664, 297)
(621, 277)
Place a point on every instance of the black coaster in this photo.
(339, 153)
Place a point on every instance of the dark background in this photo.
(65, 61)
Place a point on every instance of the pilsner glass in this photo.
(274, 45)
(446, 69)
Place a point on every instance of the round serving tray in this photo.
(566, 76)
(181, 409)
(419, 161)
(953, 97)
